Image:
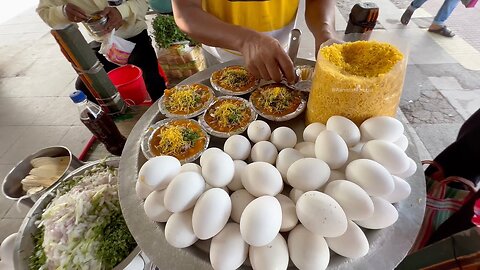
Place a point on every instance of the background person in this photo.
(438, 25)
(129, 21)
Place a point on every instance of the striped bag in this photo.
(442, 202)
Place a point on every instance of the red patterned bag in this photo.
(442, 202)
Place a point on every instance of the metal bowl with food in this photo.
(35, 174)
(234, 80)
(77, 223)
(184, 139)
(228, 116)
(278, 102)
(186, 101)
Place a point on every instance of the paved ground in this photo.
(442, 87)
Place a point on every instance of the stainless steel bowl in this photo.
(24, 243)
(12, 186)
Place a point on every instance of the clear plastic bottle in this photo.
(99, 123)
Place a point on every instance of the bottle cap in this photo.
(78, 96)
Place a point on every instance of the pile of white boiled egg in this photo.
(339, 178)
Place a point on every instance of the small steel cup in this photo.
(12, 185)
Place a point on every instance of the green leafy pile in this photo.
(110, 231)
(166, 31)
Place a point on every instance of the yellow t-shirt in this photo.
(273, 17)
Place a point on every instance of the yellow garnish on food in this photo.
(363, 58)
(173, 140)
(228, 114)
(185, 99)
(276, 98)
(237, 77)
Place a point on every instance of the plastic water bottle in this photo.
(99, 123)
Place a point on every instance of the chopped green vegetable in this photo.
(190, 135)
(166, 31)
(116, 241)
(38, 258)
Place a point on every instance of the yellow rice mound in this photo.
(357, 80)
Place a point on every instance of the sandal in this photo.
(444, 31)
(407, 15)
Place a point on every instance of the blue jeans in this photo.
(443, 13)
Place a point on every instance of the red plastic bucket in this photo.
(130, 84)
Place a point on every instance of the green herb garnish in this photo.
(166, 31)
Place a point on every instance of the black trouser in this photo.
(461, 158)
(142, 56)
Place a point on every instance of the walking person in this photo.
(438, 25)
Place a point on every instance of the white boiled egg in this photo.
(357, 148)
(384, 215)
(155, 208)
(308, 174)
(207, 187)
(143, 190)
(307, 250)
(321, 214)
(264, 151)
(211, 213)
(388, 154)
(261, 178)
(352, 244)
(261, 221)
(179, 230)
(331, 148)
(7, 249)
(311, 132)
(371, 176)
(240, 199)
(238, 147)
(258, 131)
(191, 167)
(401, 191)
(273, 256)
(157, 172)
(412, 168)
(289, 214)
(208, 153)
(218, 169)
(283, 137)
(402, 142)
(306, 148)
(381, 128)
(345, 128)
(354, 201)
(285, 159)
(236, 182)
(228, 250)
(334, 175)
(295, 194)
(184, 190)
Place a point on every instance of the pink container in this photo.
(130, 84)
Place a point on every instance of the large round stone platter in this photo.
(388, 246)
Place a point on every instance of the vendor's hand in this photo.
(74, 13)
(265, 58)
(114, 18)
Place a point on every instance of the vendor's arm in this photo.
(320, 18)
(57, 13)
(263, 55)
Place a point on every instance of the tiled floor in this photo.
(35, 81)
(35, 110)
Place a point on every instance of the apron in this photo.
(275, 18)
